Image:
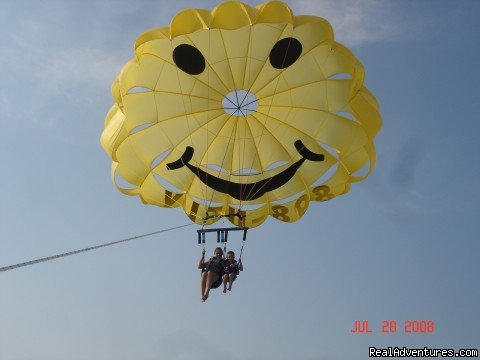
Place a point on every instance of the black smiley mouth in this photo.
(248, 191)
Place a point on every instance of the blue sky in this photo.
(403, 245)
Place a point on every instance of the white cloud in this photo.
(83, 66)
(355, 22)
(50, 62)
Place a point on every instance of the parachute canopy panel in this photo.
(241, 110)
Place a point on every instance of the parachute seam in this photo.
(265, 61)
(235, 133)
(240, 160)
(208, 90)
(258, 154)
(247, 58)
(288, 125)
(301, 132)
(306, 85)
(170, 92)
(224, 157)
(171, 143)
(206, 152)
(282, 32)
(268, 116)
(158, 126)
(151, 171)
(286, 69)
(186, 115)
(213, 70)
(261, 135)
(174, 65)
(189, 184)
(158, 78)
(228, 60)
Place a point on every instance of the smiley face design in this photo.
(241, 110)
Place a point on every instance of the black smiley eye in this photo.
(189, 59)
(285, 52)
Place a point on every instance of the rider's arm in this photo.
(201, 263)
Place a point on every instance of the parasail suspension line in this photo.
(53, 257)
(218, 216)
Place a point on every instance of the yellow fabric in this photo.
(160, 110)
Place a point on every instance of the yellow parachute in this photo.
(241, 110)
